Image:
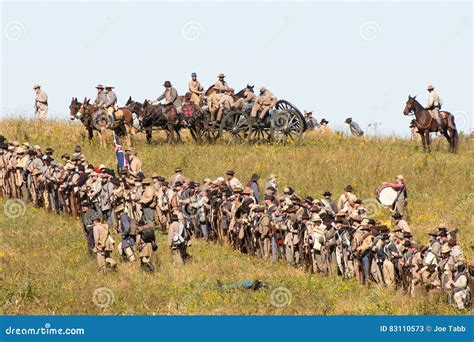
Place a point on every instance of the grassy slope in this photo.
(45, 267)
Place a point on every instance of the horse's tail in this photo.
(452, 125)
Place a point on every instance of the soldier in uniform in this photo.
(148, 201)
(136, 165)
(110, 102)
(347, 200)
(195, 88)
(41, 103)
(88, 224)
(176, 241)
(434, 104)
(101, 97)
(103, 244)
(247, 101)
(354, 127)
(263, 103)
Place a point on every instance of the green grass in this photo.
(45, 268)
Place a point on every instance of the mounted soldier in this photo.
(110, 103)
(101, 96)
(171, 107)
(434, 104)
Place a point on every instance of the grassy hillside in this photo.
(45, 268)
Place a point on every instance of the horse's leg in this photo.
(427, 137)
(171, 133)
(103, 136)
(446, 134)
(128, 135)
(148, 135)
(90, 131)
(423, 140)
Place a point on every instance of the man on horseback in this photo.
(434, 104)
(110, 102)
(195, 88)
(100, 99)
(263, 103)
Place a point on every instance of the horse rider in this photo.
(195, 88)
(172, 100)
(246, 102)
(434, 104)
(110, 102)
(219, 87)
(41, 102)
(101, 97)
(263, 103)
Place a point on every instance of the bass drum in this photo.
(386, 196)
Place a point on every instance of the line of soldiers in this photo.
(318, 235)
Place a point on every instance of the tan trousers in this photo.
(263, 109)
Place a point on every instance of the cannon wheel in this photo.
(260, 134)
(286, 105)
(287, 127)
(237, 125)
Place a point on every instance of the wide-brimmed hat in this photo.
(349, 188)
(348, 120)
(400, 177)
(109, 86)
(323, 121)
(306, 111)
(99, 86)
(432, 233)
(221, 75)
(247, 191)
(230, 172)
(36, 86)
(327, 193)
(430, 87)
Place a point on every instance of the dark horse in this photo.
(425, 124)
(155, 116)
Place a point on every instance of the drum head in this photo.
(387, 196)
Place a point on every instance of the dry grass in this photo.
(45, 268)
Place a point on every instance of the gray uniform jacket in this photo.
(173, 97)
(355, 129)
(100, 99)
(110, 98)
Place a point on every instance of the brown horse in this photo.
(85, 119)
(425, 124)
(98, 119)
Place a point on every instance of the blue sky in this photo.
(338, 59)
